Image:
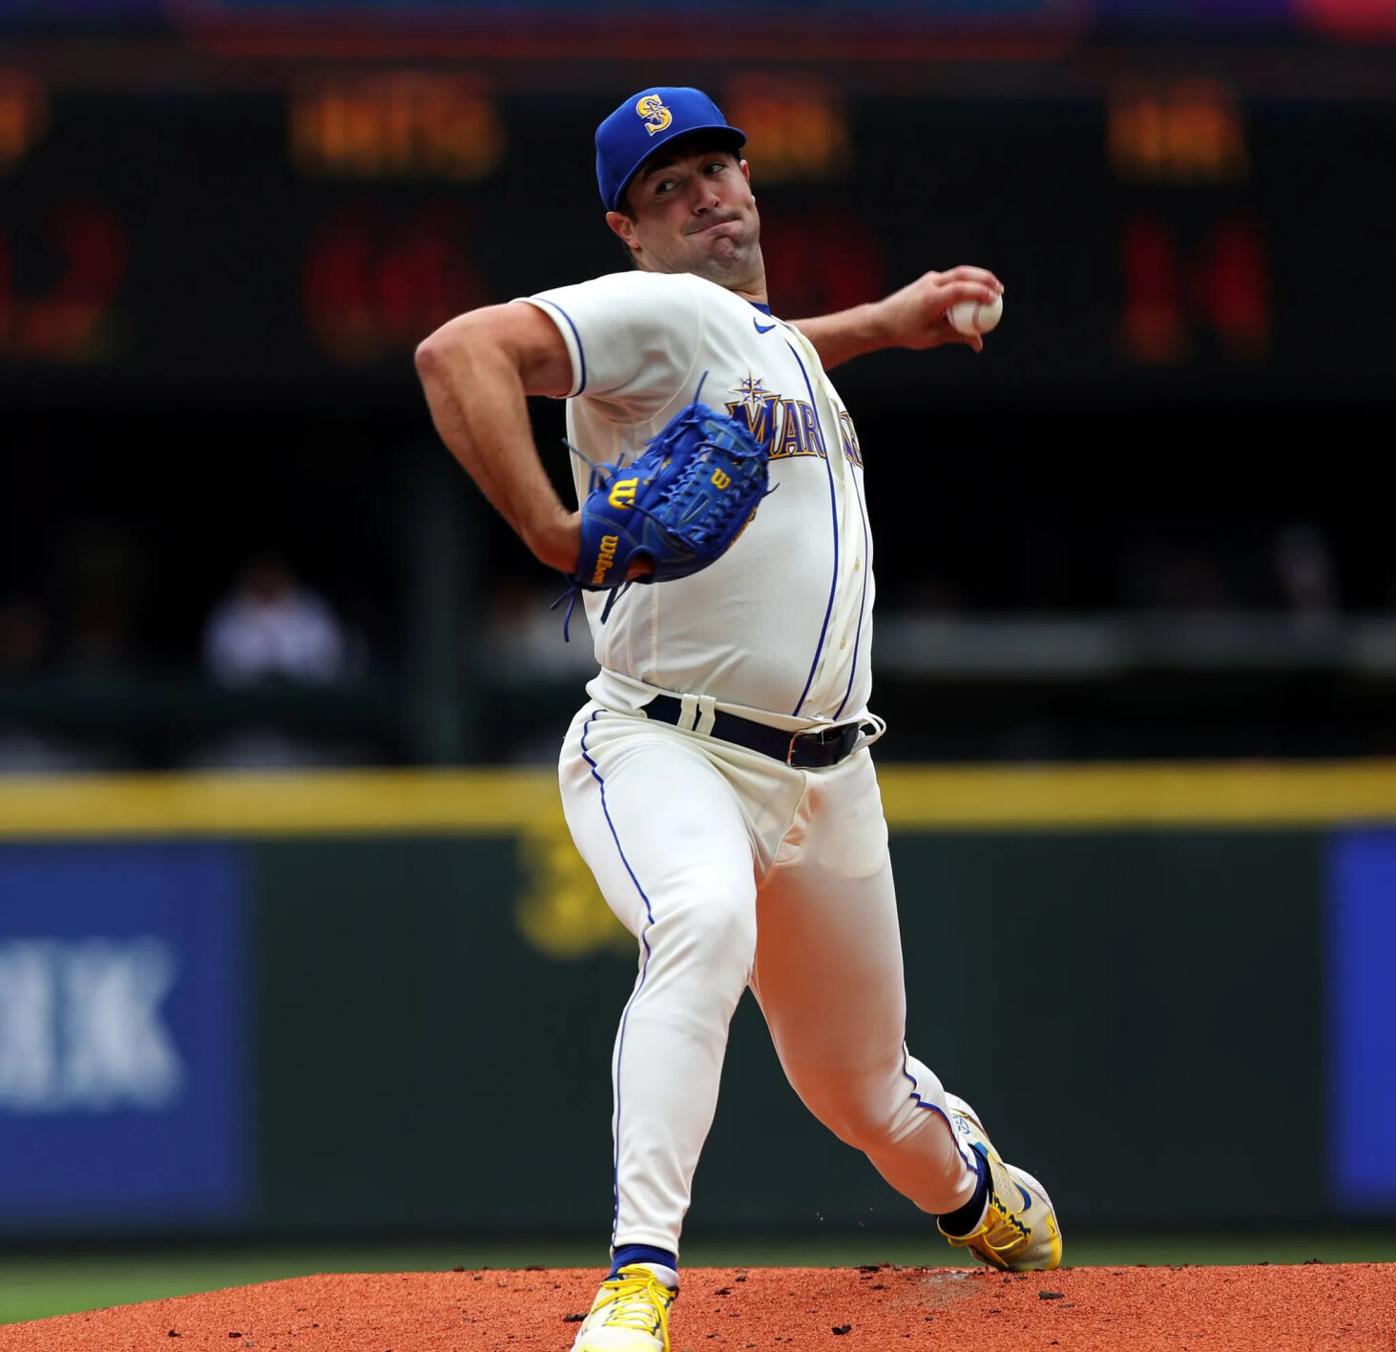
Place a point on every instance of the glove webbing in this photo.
(700, 533)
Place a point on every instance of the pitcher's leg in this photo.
(830, 982)
(663, 834)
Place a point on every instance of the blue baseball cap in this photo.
(643, 123)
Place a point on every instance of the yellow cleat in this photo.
(1019, 1232)
(630, 1314)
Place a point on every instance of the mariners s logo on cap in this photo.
(648, 119)
(656, 115)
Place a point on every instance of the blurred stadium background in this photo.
(295, 956)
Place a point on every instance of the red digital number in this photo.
(85, 251)
(376, 284)
(1171, 293)
(819, 264)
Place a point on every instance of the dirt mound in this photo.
(1347, 1307)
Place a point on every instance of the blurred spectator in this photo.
(272, 626)
(25, 645)
(1174, 576)
(1307, 576)
(523, 651)
(24, 636)
(523, 637)
(102, 579)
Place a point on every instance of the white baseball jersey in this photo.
(684, 830)
(781, 625)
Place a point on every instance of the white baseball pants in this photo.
(733, 869)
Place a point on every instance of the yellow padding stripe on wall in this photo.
(367, 802)
(403, 802)
(1141, 795)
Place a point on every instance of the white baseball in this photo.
(971, 316)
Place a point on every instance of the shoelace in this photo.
(639, 1302)
(1000, 1231)
(1003, 1232)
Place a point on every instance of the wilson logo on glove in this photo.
(683, 502)
(622, 494)
(605, 558)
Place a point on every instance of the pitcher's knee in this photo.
(707, 931)
(857, 1114)
(717, 930)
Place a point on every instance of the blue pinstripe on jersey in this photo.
(834, 510)
(862, 596)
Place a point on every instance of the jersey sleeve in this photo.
(633, 338)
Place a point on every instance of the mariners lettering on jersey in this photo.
(849, 436)
(785, 427)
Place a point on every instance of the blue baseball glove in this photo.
(679, 505)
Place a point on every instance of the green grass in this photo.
(35, 1287)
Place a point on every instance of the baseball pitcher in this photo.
(718, 781)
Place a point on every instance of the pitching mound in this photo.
(1348, 1308)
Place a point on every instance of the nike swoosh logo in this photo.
(763, 328)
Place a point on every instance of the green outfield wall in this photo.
(385, 1003)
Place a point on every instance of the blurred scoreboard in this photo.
(1166, 237)
(1348, 15)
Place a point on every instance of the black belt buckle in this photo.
(836, 742)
